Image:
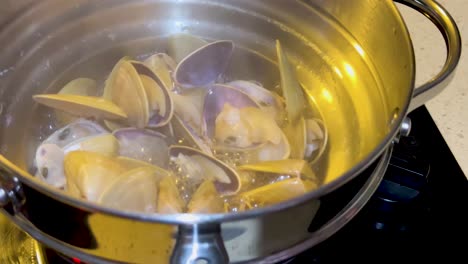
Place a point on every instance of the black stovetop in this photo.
(418, 214)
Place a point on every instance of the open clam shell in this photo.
(203, 66)
(130, 164)
(162, 65)
(83, 106)
(187, 136)
(296, 134)
(181, 45)
(200, 167)
(89, 174)
(143, 144)
(80, 128)
(125, 89)
(169, 199)
(215, 100)
(159, 100)
(206, 200)
(316, 139)
(105, 144)
(134, 190)
(292, 90)
(271, 151)
(268, 101)
(80, 86)
(189, 107)
(49, 163)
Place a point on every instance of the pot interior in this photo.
(57, 41)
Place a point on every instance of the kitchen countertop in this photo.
(450, 108)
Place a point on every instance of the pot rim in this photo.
(191, 219)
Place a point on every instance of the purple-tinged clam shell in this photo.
(158, 96)
(143, 144)
(217, 97)
(203, 66)
(202, 167)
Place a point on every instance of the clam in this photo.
(268, 101)
(105, 144)
(296, 134)
(271, 152)
(276, 192)
(198, 167)
(203, 66)
(187, 136)
(83, 106)
(235, 123)
(159, 101)
(143, 144)
(50, 153)
(130, 164)
(206, 200)
(162, 65)
(125, 89)
(292, 90)
(295, 105)
(182, 44)
(189, 107)
(134, 190)
(298, 168)
(89, 174)
(49, 157)
(316, 139)
(49, 162)
(169, 199)
(80, 128)
(80, 86)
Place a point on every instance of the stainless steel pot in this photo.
(354, 58)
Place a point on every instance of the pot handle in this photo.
(447, 26)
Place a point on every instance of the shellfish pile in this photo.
(167, 135)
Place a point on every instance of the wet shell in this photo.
(159, 100)
(189, 107)
(49, 163)
(268, 101)
(203, 66)
(190, 138)
(203, 167)
(83, 106)
(271, 151)
(162, 65)
(80, 86)
(206, 200)
(218, 96)
(125, 89)
(316, 139)
(292, 90)
(89, 174)
(135, 190)
(169, 199)
(143, 144)
(79, 129)
(105, 144)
